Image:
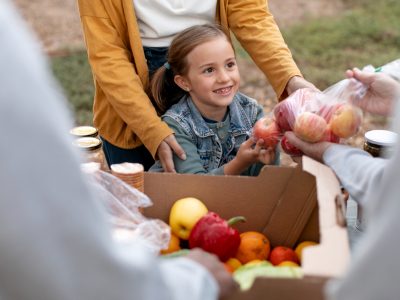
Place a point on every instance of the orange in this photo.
(253, 245)
(173, 245)
(234, 263)
(288, 263)
(303, 245)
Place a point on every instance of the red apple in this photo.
(289, 148)
(285, 112)
(329, 136)
(310, 127)
(326, 110)
(267, 129)
(281, 253)
(285, 116)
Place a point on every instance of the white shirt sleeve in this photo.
(55, 243)
(356, 169)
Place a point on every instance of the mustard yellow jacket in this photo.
(123, 113)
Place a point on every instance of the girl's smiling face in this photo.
(212, 78)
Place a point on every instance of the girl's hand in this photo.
(249, 152)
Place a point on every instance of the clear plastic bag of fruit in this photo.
(331, 115)
(123, 204)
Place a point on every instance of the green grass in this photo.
(367, 32)
(74, 74)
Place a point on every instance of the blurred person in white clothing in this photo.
(55, 243)
(374, 184)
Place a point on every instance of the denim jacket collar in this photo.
(240, 122)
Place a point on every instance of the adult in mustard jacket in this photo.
(123, 113)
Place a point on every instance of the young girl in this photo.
(197, 93)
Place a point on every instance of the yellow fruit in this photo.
(254, 262)
(303, 245)
(184, 215)
(234, 263)
(288, 263)
(173, 246)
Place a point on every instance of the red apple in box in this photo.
(310, 127)
(267, 129)
(289, 148)
(281, 253)
(345, 121)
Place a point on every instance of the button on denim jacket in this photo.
(244, 112)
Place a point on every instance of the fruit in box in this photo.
(310, 127)
(280, 254)
(184, 215)
(267, 129)
(253, 245)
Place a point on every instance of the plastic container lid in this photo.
(381, 137)
(88, 143)
(84, 131)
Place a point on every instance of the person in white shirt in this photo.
(127, 40)
(55, 243)
(374, 184)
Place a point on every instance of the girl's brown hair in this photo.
(164, 91)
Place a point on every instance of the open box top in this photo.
(287, 204)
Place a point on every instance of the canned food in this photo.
(92, 151)
(84, 131)
(380, 143)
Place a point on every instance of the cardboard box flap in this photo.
(279, 202)
(309, 288)
(331, 256)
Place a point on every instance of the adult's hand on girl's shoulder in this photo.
(165, 153)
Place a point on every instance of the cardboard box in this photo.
(287, 204)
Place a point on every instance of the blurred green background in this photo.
(365, 32)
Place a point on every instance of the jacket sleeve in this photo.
(114, 72)
(256, 30)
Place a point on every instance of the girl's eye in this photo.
(231, 64)
(208, 70)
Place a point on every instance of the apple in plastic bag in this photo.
(329, 136)
(345, 121)
(289, 148)
(284, 115)
(267, 129)
(310, 127)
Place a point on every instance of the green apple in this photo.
(184, 215)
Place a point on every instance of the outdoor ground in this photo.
(57, 24)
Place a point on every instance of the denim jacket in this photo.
(244, 112)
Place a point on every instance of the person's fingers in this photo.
(259, 145)
(295, 141)
(224, 279)
(171, 141)
(365, 77)
(165, 156)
